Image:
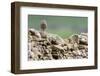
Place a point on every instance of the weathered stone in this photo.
(55, 38)
(34, 32)
(75, 38)
(52, 46)
(70, 46)
(57, 47)
(83, 39)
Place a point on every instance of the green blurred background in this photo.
(63, 26)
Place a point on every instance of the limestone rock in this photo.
(47, 46)
(83, 39)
